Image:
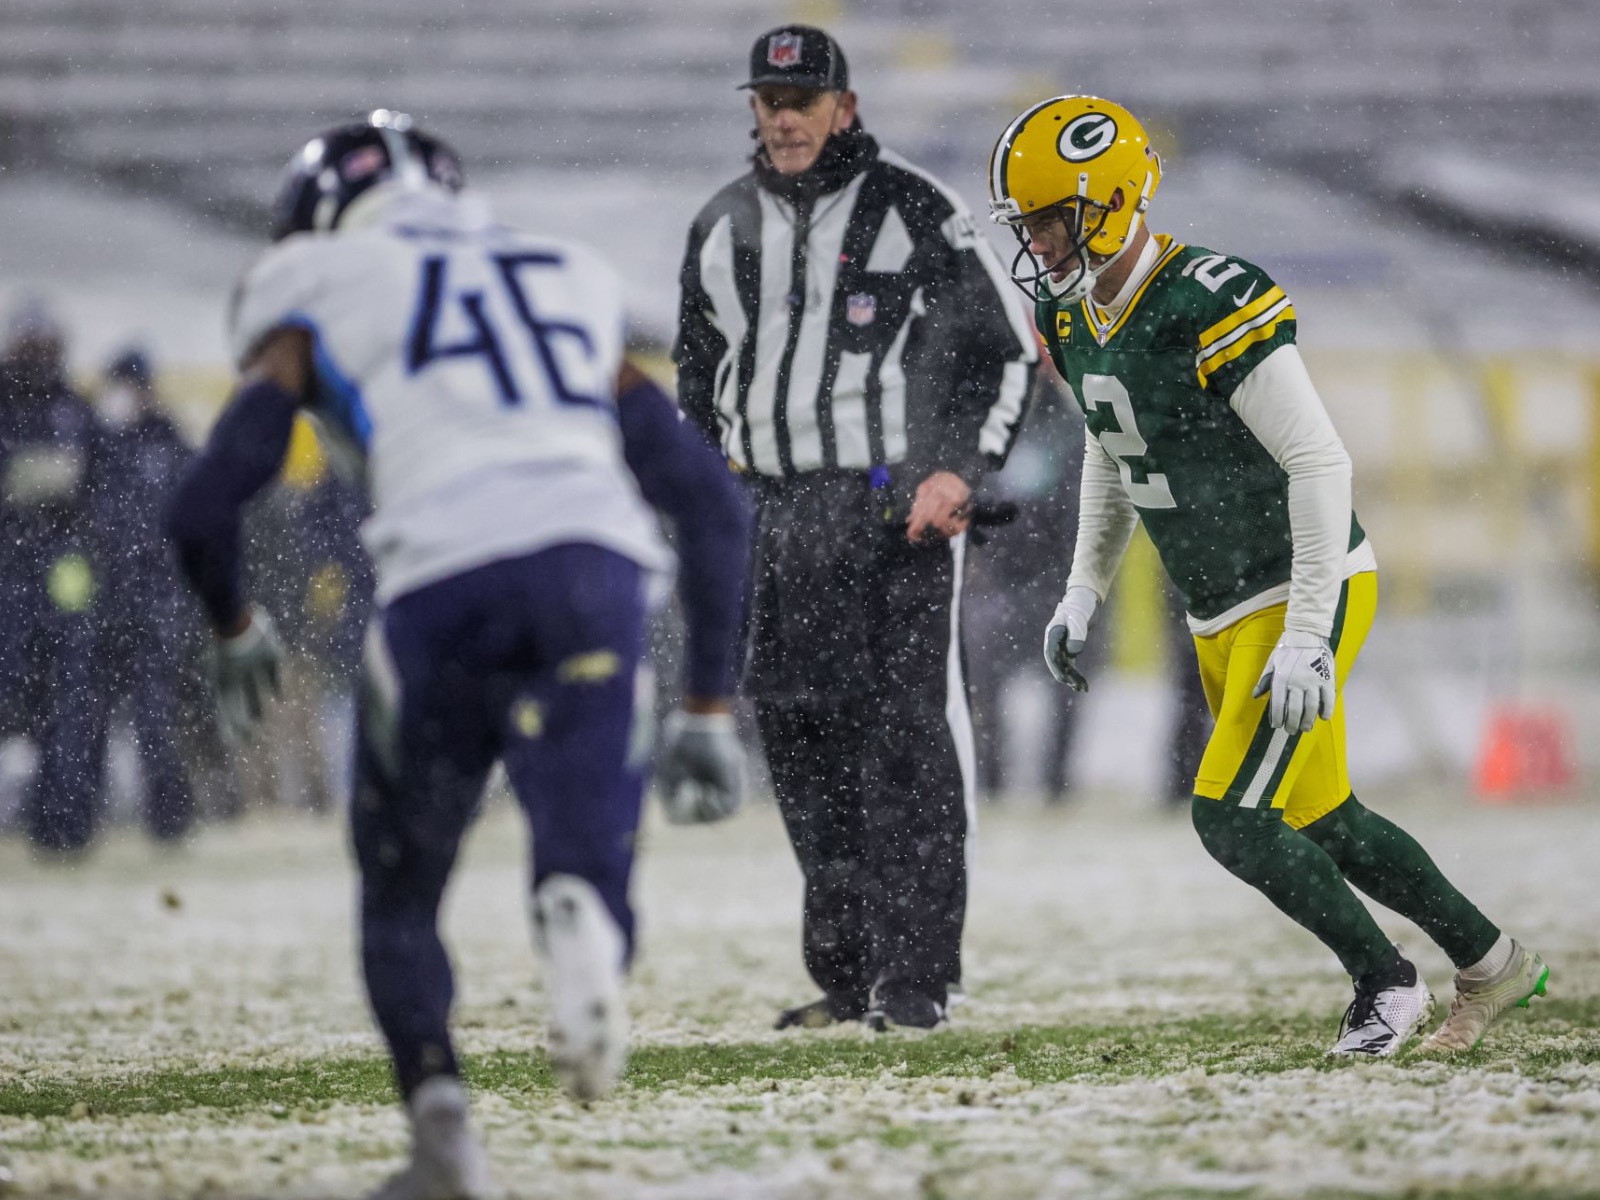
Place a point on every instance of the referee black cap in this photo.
(799, 56)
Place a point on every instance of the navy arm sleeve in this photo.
(688, 481)
(205, 515)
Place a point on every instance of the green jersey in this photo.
(1154, 386)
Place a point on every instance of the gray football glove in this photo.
(1067, 635)
(1300, 677)
(245, 672)
(701, 769)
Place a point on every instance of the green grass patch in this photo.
(277, 1090)
(1554, 1035)
(1465, 1191)
(1470, 1191)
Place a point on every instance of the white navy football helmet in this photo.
(338, 165)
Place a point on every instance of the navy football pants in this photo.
(531, 660)
(47, 661)
(138, 658)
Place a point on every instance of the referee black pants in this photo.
(855, 668)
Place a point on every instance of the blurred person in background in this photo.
(1016, 585)
(306, 564)
(848, 339)
(1207, 429)
(1191, 725)
(474, 377)
(48, 577)
(146, 617)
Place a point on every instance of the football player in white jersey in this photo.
(473, 376)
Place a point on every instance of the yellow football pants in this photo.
(1247, 761)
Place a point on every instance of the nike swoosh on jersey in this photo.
(1241, 301)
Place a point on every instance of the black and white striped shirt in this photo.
(851, 317)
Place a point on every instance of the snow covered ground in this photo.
(236, 953)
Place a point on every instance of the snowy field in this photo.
(1139, 1024)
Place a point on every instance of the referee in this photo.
(848, 340)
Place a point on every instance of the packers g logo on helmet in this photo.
(1089, 162)
(1086, 137)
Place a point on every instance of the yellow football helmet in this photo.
(1088, 161)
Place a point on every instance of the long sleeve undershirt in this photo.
(1279, 405)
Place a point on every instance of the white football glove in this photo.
(701, 771)
(245, 671)
(1300, 676)
(1068, 633)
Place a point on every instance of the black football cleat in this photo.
(820, 1013)
(904, 1008)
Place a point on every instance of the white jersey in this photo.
(467, 372)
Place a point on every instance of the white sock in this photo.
(1492, 963)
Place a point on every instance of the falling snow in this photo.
(237, 952)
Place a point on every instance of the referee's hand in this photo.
(943, 507)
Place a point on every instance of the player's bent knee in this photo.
(1230, 834)
(1339, 833)
(1212, 826)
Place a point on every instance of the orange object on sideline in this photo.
(1526, 754)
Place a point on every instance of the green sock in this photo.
(1297, 875)
(1386, 863)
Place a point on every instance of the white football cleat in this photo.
(1478, 1002)
(583, 950)
(1382, 1019)
(447, 1160)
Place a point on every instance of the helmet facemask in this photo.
(1083, 220)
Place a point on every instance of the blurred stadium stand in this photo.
(192, 98)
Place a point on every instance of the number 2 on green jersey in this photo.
(1124, 443)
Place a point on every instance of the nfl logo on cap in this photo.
(797, 56)
(860, 308)
(783, 49)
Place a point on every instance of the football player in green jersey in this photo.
(1204, 424)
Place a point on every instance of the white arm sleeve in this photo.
(1279, 404)
(1106, 520)
(279, 289)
